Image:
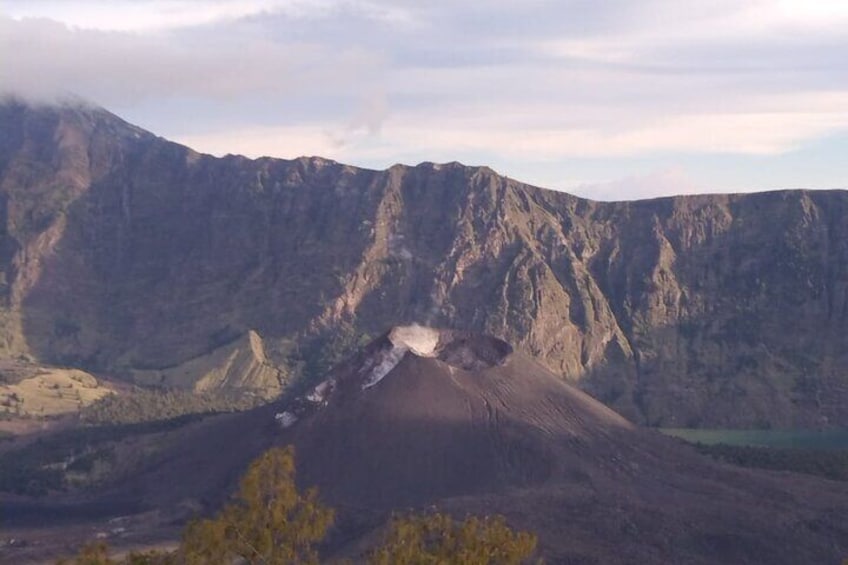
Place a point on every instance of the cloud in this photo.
(117, 67)
(153, 15)
(287, 142)
(135, 16)
(673, 180)
(376, 82)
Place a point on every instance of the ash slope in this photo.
(464, 423)
(468, 416)
(123, 252)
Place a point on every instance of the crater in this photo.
(464, 350)
(472, 352)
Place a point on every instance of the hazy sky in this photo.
(608, 99)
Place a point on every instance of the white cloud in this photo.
(286, 142)
(372, 81)
(816, 13)
(761, 134)
(157, 15)
(115, 67)
(673, 180)
(749, 133)
(136, 16)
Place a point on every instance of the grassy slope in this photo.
(797, 439)
(820, 453)
(52, 392)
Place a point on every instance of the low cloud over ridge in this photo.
(542, 91)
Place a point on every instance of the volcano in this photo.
(423, 417)
(423, 414)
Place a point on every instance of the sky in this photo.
(607, 99)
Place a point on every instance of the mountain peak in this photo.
(70, 110)
(460, 350)
(419, 392)
(629, 299)
(446, 349)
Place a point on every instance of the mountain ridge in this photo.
(121, 252)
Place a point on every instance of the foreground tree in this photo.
(437, 539)
(96, 553)
(269, 522)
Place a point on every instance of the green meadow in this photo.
(795, 439)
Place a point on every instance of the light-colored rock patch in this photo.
(52, 392)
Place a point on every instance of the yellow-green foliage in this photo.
(270, 522)
(437, 539)
(152, 558)
(150, 405)
(98, 554)
(91, 554)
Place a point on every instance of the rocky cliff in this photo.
(123, 252)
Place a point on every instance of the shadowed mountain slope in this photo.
(123, 252)
(424, 417)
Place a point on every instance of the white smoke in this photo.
(420, 340)
(390, 360)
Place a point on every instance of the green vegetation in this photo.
(82, 456)
(148, 405)
(438, 538)
(813, 452)
(53, 462)
(329, 350)
(828, 463)
(798, 439)
(271, 523)
(98, 554)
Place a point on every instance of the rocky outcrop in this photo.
(238, 366)
(121, 251)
